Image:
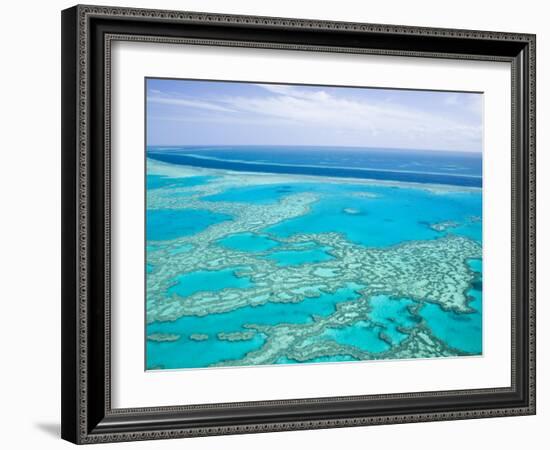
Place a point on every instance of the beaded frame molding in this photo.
(87, 35)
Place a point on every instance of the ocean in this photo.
(419, 166)
(289, 255)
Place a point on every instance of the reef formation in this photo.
(434, 271)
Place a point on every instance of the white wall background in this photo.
(30, 222)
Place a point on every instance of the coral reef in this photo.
(434, 271)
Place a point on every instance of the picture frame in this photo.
(88, 33)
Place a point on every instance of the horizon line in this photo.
(316, 146)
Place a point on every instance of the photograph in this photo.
(278, 222)
(293, 224)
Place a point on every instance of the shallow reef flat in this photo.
(236, 336)
(432, 271)
(160, 337)
(294, 347)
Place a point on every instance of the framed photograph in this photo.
(278, 224)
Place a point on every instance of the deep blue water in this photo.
(461, 169)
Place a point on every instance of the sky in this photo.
(195, 112)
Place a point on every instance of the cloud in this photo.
(451, 99)
(319, 108)
(367, 119)
(189, 103)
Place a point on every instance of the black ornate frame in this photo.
(87, 34)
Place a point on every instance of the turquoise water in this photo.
(212, 324)
(160, 181)
(299, 257)
(369, 215)
(362, 335)
(393, 314)
(388, 216)
(248, 242)
(265, 194)
(166, 224)
(396, 215)
(191, 283)
(471, 230)
(384, 319)
(476, 265)
(270, 313)
(191, 354)
(462, 331)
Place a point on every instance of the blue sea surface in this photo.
(423, 166)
